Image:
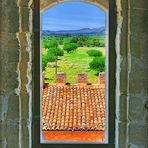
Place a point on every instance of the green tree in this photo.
(66, 41)
(52, 58)
(102, 44)
(56, 51)
(49, 44)
(44, 61)
(53, 54)
(70, 47)
(95, 53)
(98, 64)
(74, 39)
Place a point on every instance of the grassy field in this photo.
(72, 64)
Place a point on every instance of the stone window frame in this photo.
(36, 82)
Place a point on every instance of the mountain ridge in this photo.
(83, 31)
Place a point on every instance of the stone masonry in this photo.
(16, 56)
(102, 78)
(61, 78)
(82, 78)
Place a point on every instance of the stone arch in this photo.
(45, 4)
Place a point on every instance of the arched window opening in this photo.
(73, 73)
(109, 131)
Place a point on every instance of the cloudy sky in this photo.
(72, 16)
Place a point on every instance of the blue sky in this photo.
(72, 16)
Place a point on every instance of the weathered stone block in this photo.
(120, 134)
(123, 74)
(138, 77)
(10, 19)
(8, 3)
(139, 34)
(13, 107)
(12, 132)
(137, 111)
(137, 146)
(24, 105)
(24, 19)
(12, 80)
(25, 134)
(10, 77)
(3, 135)
(23, 3)
(136, 4)
(121, 108)
(24, 79)
(3, 106)
(137, 133)
(3, 79)
(23, 41)
(9, 47)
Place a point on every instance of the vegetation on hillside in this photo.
(72, 55)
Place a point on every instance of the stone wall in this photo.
(131, 73)
(15, 73)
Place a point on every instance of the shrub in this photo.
(66, 41)
(95, 53)
(98, 64)
(70, 47)
(49, 57)
(74, 39)
(52, 58)
(102, 44)
(45, 44)
(49, 44)
(56, 52)
(53, 43)
(60, 52)
(44, 61)
(95, 43)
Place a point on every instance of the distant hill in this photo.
(84, 31)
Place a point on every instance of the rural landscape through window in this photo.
(73, 76)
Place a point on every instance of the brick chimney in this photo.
(82, 78)
(61, 78)
(102, 78)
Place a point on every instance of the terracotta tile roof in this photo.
(73, 108)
